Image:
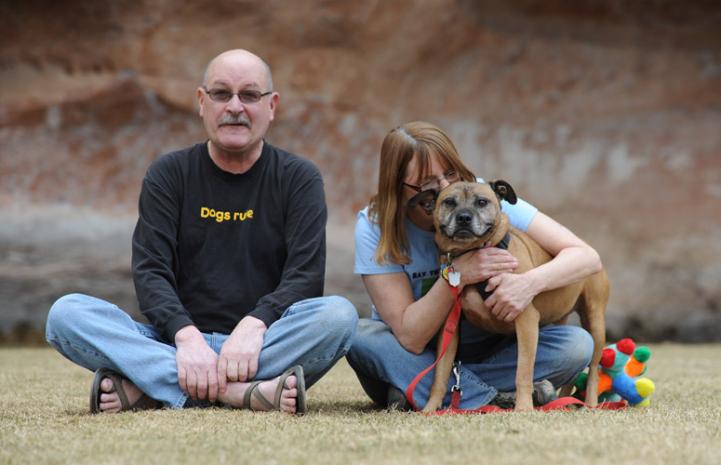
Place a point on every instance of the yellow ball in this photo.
(645, 387)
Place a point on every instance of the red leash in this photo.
(448, 330)
(562, 403)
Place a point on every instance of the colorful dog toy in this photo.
(622, 365)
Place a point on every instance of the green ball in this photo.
(642, 353)
(581, 380)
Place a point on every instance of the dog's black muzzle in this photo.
(464, 218)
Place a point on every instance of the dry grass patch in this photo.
(44, 419)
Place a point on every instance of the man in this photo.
(228, 264)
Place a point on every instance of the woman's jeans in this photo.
(380, 361)
(93, 333)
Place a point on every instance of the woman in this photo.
(398, 261)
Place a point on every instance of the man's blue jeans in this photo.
(93, 333)
(380, 361)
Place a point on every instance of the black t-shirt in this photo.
(211, 247)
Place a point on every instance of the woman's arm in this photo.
(573, 261)
(414, 323)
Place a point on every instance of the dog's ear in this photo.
(504, 191)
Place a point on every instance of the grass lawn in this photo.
(44, 419)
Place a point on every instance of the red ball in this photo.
(608, 358)
(626, 346)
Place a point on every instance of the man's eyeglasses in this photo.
(434, 184)
(245, 96)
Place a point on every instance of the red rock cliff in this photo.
(605, 114)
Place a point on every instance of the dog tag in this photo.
(454, 278)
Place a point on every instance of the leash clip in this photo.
(457, 374)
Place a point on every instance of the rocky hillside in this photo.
(604, 114)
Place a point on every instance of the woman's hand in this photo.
(479, 265)
(511, 294)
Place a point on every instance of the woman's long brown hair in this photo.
(416, 139)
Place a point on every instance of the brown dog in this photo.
(468, 216)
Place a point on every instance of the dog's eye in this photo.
(481, 202)
(450, 202)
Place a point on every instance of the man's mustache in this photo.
(234, 120)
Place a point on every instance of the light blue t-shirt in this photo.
(423, 267)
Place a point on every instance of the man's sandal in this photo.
(143, 403)
(253, 391)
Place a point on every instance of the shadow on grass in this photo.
(341, 407)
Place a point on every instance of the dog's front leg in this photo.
(442, 373)
(527, 338)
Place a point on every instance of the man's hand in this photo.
(197, 364)
(240, 352)
(511, 294)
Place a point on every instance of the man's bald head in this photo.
(237, 54)
(237, 103)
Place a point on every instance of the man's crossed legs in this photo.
(93, 333)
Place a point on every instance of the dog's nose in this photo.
(464, 218)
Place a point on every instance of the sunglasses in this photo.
(426, 199)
